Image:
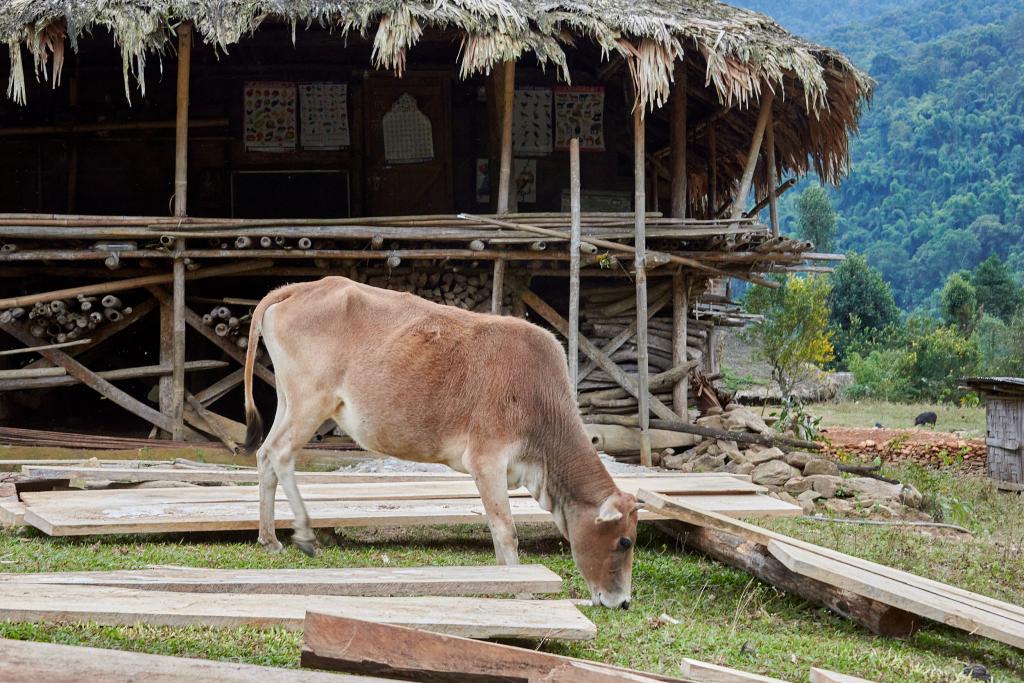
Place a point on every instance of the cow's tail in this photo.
(253, 419)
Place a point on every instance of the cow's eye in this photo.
(625, 543)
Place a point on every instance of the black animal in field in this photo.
(926, 418)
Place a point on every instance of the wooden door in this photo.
(408, 145)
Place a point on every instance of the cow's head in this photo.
(602, 537)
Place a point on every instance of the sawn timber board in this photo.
(462, 616)
(366, 581)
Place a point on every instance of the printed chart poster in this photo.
(524, 180)
(531, 122)
(270, 124)
(323, 112)
(579, 113)
(408, 134)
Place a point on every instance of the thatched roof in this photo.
(739, 51)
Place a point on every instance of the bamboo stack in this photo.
(68, 319)
(226, 324)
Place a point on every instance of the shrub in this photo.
(882, 374)
(941, 358)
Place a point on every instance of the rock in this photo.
(730, 467)
(675, 462)
(738, 456)
(708, 463)
(821, 466)
(797, 485)
(799, 459)
(785, 497)
(713, 449)
(884, 511)
(839, 506)
(702, 446)
(773, 473)
(713, 410)
(733, 406)
(827, 485)
(743, 419)
(911, 497)
(730, 449)
(711, 422)
(809, 494)
(873, 489)
(763, 455)
(744, 468)
(808, 506)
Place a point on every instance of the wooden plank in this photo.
(825, 676)
(28, 662)
(12, 513)
(341, 643)
(713, 673)
(387, 490)
(929, 604)
(238, 476)
(686, 512)
(463, 616)
(352, 581)
(160, 517)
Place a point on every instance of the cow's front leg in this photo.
(491, 478)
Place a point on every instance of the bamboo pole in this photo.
(574, 265)
(109, 127)
(508, 88)
(31, 349)
(712, 173)
(640, 268)
(60, 378)
(181, 119)
(779, 191)
(773, 199)
(679, 143)
(680, 309)
(130, 283)
(755, 151)
(498, 285)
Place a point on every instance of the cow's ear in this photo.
(609, 511)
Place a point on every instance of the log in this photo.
(755, 149)
(773, 199)
(574, 265)
(508, 96)
(755, 559)
(721, 435)
(58, 377)
(678, 142)
(680, 313)
(340, 643)
(614, 439)
(130, 283)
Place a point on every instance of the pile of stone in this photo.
(799, 477)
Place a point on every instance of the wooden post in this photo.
(574, 263)
(177, 340)
(498, 285)
(679, 144)
(755, 150)
(712, 173)
(640, 265)
(773, 181)
(680, 308)
(508, 83)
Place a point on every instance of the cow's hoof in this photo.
(307, 545)
(272, 546)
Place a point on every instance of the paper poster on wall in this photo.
(270, 124)
(524, 180)
(531, 122)
(579, 113)
(323, 115)
(408, 134)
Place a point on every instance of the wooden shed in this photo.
(598, 167)
(1004, 428)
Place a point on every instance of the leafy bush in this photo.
(882, 374)
(941, 358)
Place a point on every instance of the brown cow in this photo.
(484, 394)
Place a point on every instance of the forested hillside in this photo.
(938, 170)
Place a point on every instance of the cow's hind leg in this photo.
(299, 422)
(489, 467)
(268, 486)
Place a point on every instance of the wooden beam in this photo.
(679, 138)
(218, 389)
(712, 172)
(355, 581)
(680, 310)
(574, 265)
(181, 119)
(93, 381)
(24, 661)
(132, 283)
(773, 198)
(63, 380)
(603, 361)
(779, 191)
(340, 643)
(508, 89)
(640, 278)
(740, 201)
(622, 337)
(165, 387)
(209, 474)
(178, 347)
(705, 671)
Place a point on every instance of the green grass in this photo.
(725, 616)
(866, 413)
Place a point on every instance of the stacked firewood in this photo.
(466, 289)
(226, 323)
(68, 319)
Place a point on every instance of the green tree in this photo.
(941, 358)
(959, 302)
(794, 330)
(996, 291)
(817, 219)
(882, 374)
(861, 304)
